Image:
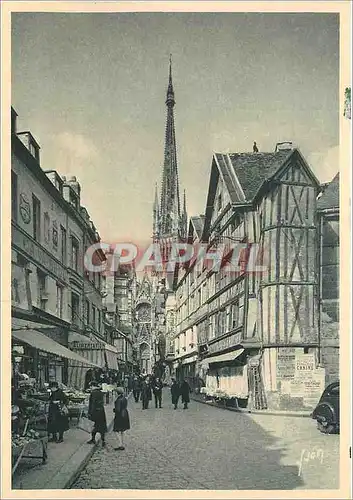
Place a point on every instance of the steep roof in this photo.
(331, 196)
(198, 223)
(251, 169)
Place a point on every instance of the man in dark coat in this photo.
(157, 391)
(96, 412)
(146, 394)
(58, 421)
(185, 393)
(175, 391)
(136, 388)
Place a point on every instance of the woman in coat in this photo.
(58, 421)
(121, 418)
(96, 413)
(185, 393)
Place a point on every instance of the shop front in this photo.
(100, 354)
(187, 370)
(227, 377)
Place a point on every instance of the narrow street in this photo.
(209, 448)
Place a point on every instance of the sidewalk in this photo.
(65, 461)
(283, 413)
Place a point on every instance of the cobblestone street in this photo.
(209, 448)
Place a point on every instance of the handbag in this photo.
(64, 411)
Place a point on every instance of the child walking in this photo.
(121, 419)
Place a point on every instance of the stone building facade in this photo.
(50, 288)
(329, 277)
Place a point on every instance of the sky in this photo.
(91, 89)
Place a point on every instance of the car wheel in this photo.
(326, 428)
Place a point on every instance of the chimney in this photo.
(72, 191)
(255, 148)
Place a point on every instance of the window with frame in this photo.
(14, 195)
(87, 313)
(36, 218)
(42, 289)
(74, 253)
(94, 316)
(63, 245)
(46, 227)
(59, 300)
(75, 309)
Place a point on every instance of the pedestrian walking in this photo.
(175, 392)
(126, 385)
(157, 391)
(136, 388)
(146, 394)
(58, 420)
(96, 413)
(185, 390)
(121, 418)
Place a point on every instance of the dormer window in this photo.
(31, 144)
(73, 199)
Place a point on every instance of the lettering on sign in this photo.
(304, 366)
(230, 341)
(38, 254)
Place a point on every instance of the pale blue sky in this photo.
(91, 88)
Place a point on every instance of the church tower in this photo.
(169, 218)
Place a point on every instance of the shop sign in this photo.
(38, 254)
(20, 290)
(230, 341)
(286, 364)
(304, 366)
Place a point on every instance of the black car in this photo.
(327, 411)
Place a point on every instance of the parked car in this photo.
(327, 411)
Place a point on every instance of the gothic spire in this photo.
(155, 214)
(170, 200)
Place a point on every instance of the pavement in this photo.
(205, 448)
(282, 413)
(65, 461)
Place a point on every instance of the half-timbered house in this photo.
(261, 323)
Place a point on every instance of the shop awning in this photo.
(229, 356)
(95, 350)
(112, 360)
(40, 341)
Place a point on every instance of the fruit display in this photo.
(20, 441)
(75, 396)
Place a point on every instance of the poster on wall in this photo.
(286, 363)
(304, 366)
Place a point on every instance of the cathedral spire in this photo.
(170, 93)
(155, 214)
(170, 200)
(184, 220)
